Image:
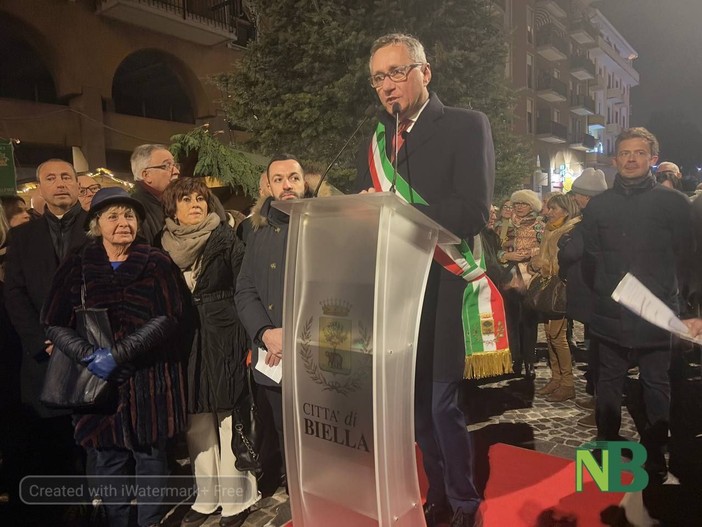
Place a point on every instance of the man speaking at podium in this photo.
(440, 159)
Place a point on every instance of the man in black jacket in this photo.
(259, 287)
(153, 168)
(641, 228)
(35, 251)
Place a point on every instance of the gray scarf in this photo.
(185, 243)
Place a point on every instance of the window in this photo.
(530, 71)
(530, 25)
(556, 74)
(556, 116)
(530, 115)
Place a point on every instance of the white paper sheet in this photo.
(635, 296)
(274, 373)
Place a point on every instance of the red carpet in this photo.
(524, 483)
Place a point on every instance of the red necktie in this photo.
(399, 137)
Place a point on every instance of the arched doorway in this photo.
(23, 73)
(148, 84)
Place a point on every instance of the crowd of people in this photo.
(189, 293)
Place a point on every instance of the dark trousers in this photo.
(655, 386)
(148, 461)
(593, 366)
(522, 328)
(274, 395)
(447, 451)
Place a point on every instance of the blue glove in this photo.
(101, 363)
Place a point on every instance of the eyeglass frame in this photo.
(83, 191)
(403, 71)
(165, 166)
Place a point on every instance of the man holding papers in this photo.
(259, 288)
(642, 228)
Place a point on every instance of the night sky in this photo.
(668, 38)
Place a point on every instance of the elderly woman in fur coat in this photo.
(145, 297)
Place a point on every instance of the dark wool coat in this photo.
(259, 288)
(449, 159)
(146, 288)
(216, 365)
(30, 265)
(644, 231)
(155, 217)
(580, 299)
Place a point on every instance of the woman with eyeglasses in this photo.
(523, 239)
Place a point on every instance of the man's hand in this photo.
(272, 360)
(49, 347)
(273, 340)
(694, 326)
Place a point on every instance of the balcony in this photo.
(582, 68)
(615, 95)
(551, 45)
(610, 57)
(204, 22)
(553, 7)
(582, 142)
(596, 122)
(551, 131)
(599, 84)
(583, 32)
(551, 89)
(613, 129)
(582, 105)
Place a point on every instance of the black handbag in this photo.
(247, 430)
(68, 383)
(547, 294)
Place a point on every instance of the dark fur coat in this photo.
(146, 287)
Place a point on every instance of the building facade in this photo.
(108, 75)
(573, 74)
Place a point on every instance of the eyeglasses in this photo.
(398, 74)
(518, 203)
(626, 154)
(168, 167)
(92, 189)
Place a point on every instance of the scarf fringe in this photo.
(488, 364)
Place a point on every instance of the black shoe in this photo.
(193, 519)
(436, 514)
(463, 519)
(234, 521)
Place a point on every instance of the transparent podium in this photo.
(356, 271)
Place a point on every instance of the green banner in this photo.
(8, 181)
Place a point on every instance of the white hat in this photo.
(590, 183)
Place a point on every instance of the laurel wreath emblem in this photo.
(352, 382)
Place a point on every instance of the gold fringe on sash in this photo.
(488, 364)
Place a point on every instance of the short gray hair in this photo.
(93, 227)
(57, 160)
(414, 46)
(141, 157)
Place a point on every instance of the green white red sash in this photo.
(483, 313)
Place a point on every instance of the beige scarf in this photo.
(185, 243)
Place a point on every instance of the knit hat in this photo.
(529, 197)
(590, 183)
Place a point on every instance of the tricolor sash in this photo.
(483, 312)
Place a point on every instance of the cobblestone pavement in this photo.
(504, 410)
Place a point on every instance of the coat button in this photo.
(270, 307)
(273, 266)
(276, 229)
